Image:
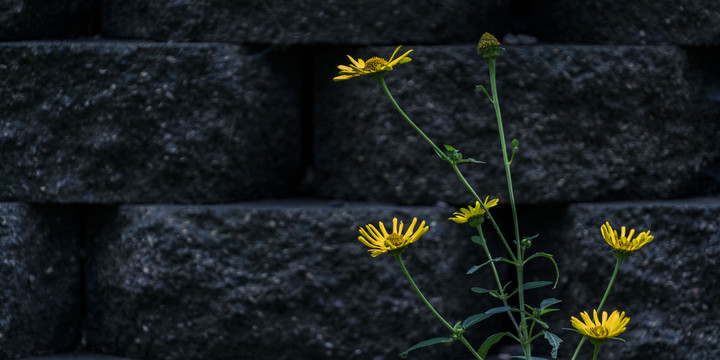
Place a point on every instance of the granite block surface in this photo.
(128, 122)
(594, 123)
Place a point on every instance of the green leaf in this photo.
(617, 338)
(477, 239)
(549, 256)
(480, 290)
(426, 343)
(490, 341)
(474, 319)
(554, 341)
(547, 302)
(497, 310)
(449, 148)
(536, 284)
(486, 93)
(473, 161)
(476, 267)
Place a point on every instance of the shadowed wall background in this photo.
(183, 180)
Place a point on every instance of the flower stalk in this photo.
(460, 337)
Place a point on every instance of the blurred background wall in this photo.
(184, 180)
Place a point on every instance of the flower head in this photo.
(373, 67)
(624, 246)
(395, 242)
(489, 46)
(474, 216)
(599, 331)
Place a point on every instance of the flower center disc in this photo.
(375, 63)
(600, 331)
(395, 239)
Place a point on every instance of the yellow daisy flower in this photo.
(600, 331)
(624, 245)
(383, 242)
(373, 67)
(473, 214)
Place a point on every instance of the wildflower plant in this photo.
(527, 320)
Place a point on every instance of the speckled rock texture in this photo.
(121, 122)
(693, 22)
(37, 19)
(302, 22)
(668, 288)
(40, 272)
(274, 282)
(594, 123)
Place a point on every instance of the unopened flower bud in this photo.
(489, 46)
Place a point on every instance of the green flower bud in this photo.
(489, 46)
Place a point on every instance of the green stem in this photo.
(612, 280)
(467, 345)
(381, 81)
(496, 104)
(417, 290)
(462, 339)
(497, 277)
(487, 211)
(519, 266)
(577, 350)
(602, 302)
(596, 351)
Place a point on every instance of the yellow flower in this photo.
(373, 67)
(624, 245)
(383, 242)
(599, 331)
(473, 215)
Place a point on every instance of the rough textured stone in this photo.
(307, 21)
(669, 288)
(140, 122)
(594, 123)
(690, 22)
(37, 19)
(263, 281)
(40, 274)
(80, 356)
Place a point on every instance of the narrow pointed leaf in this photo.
(536, 284)
(480, 290)
(489, 342)
(550, 257)
(426, 343)
(474, 319)
(473, 161)
(497, 310)
(554, 341)
(476, 267)
(547, 302)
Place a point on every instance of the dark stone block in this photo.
(594, 123)
(37, 19)
(693, 22)
(669, 288)
(303, 22)
(286, 281)
(40, 272)
(141, 122)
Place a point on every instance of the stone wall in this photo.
(183, 179)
